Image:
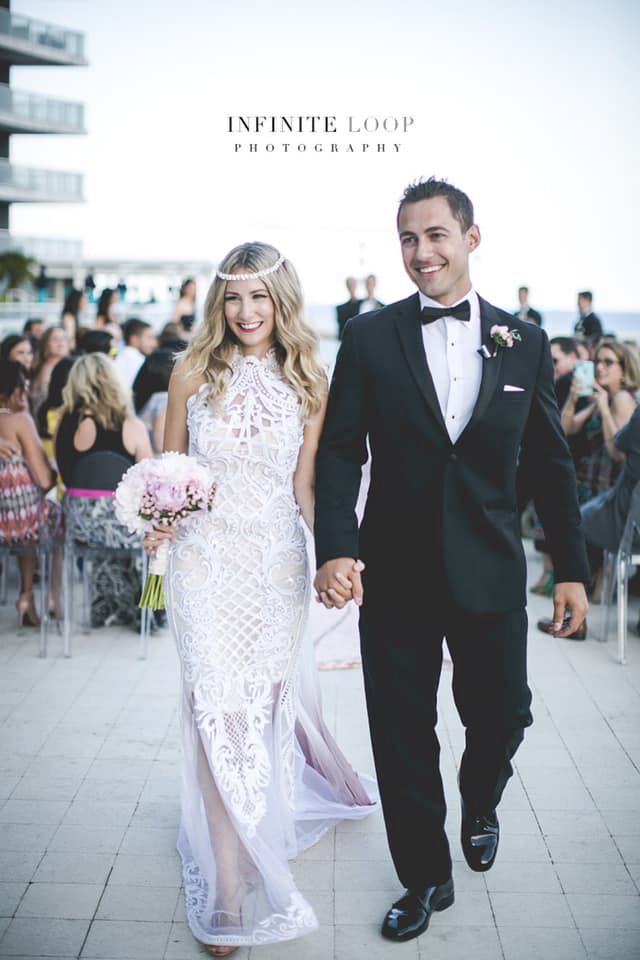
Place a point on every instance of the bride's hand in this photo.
(155, 537)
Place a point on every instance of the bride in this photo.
(263, 778)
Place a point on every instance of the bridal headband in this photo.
(251, 276)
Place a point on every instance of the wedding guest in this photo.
(53, 345)
(106, 318)
(588, 324)
(25, 478)
(564, 354)
(97, 416)
(33, 328)
(150, 394)
(96, 341)
(350, 307)
(17, 349)
(139, 342)
(170, 337)
(51, 409)
(71, 312)
(598, 461)
(370, 302)
(525, 311)
(184, 314)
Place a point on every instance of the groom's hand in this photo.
(568, 597)
(338, 581)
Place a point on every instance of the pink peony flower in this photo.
(167, 495)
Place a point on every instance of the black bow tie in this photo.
(462, 311)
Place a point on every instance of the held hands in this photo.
(155, 537)
(338, 581)
(568, 597)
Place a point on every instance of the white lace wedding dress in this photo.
(263, 778)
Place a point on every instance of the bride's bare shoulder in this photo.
(184, 383)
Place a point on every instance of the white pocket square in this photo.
(508, 388)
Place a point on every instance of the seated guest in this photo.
(150, 394)
(17, 349)
(606, 411)
(25, 478)
(51, 410)
(106, 318)
(170, 338)
(604, 517)
(139, 341)
(96, 341)
(53, 345)
(33, 328)
(97, 416)
(564, 354)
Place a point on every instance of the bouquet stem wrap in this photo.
(153, 596)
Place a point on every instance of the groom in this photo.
(449, 405)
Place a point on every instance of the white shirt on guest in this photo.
(127, 363)
(451, 347)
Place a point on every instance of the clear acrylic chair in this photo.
(88, 500)
(616, 569)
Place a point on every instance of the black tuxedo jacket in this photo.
(345, 311)
(436, 508)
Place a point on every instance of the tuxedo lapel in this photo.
(409, 326)
(490, 365)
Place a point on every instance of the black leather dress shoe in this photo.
(409, 916)
(480, 836)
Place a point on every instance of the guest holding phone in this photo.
(593, 414)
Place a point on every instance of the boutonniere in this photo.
(502, 337)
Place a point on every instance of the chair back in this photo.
(102, 470)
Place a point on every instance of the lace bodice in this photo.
(253, 432)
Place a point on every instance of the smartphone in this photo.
(584, 373)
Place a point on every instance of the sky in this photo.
(530, 107)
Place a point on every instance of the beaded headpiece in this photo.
(251, 276)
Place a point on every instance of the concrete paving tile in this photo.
(597, 910)
(364, 906)
(38, 937)
(26, 838)
(4, 923)
(63, 768)
(614, 798)
(443, 942)
(572, 798)
(10, 896)
(64, 901)
(84, 745)
(7, 786)
(318, 945)
(599, 878)
(18, 865)
(322, 850)
(147, 840)
(599, 850)
(312, 875)
(322, 902)
(111, 790)
(119, 770)
(64, 866)
(38, 812)
(182, 945)
(137, 903)
(622, 823)
(363, 940)
(126, 938)
(629, 848)
(157, 813)
(365, 875)
(71, 838)
(180, 913)
(132, 871)
(521, 910)
(39, 788)
(543, 943)
(518, 822)
(573, 824)
(374, 823)
(361, 846)
(516, 848)
(535, 877)
(612, 944)
(161, 788)
(89, 813)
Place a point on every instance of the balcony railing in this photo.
(58, 40)
(39, 186)
(30, 110)
(43, 249)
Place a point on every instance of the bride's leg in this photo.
(230, 883)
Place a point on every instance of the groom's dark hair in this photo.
(459, 203)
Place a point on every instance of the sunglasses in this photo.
(607, 361)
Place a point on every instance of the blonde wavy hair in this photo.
(94, 386)
(211, 347)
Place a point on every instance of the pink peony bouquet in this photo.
(159, 493)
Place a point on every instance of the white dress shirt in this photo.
(451, 347)
(127, 363)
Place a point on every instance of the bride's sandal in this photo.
(219, 951)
